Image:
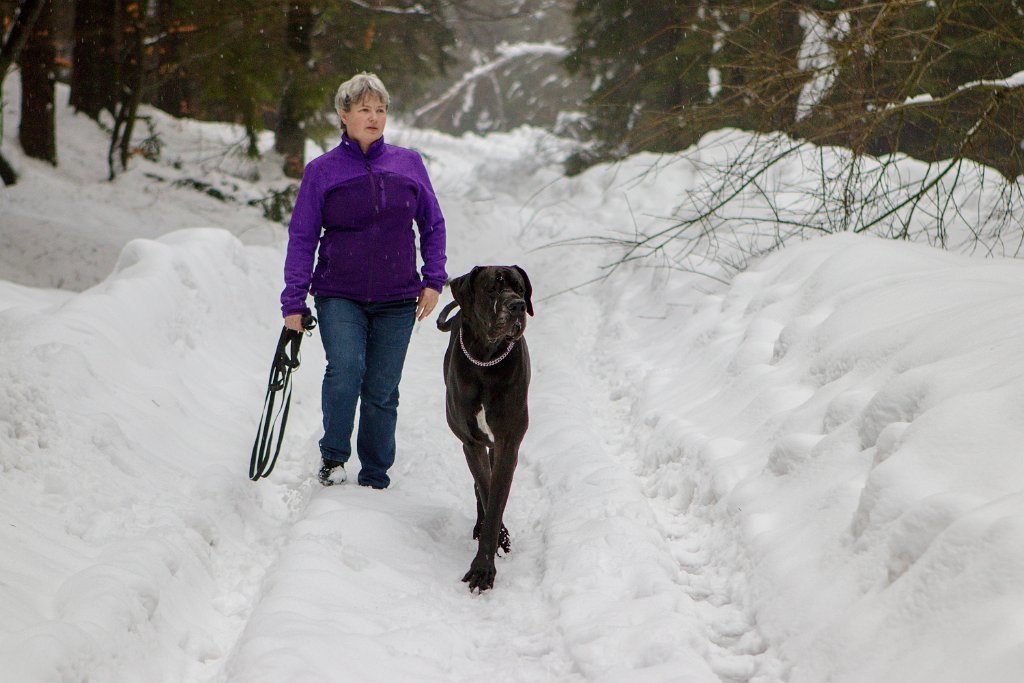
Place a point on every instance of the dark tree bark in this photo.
(131, 77)
(94, 70)
(7, 173)
(171, 91)
(290, 136)
(36, 132)
(28, 13)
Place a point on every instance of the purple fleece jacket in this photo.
(365, 205)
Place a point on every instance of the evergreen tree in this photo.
(296, 106)
(94, 66)
(172, 88)
(664, 73)
(281, 62)
(403, 41)
(239, 53)
(757, 44)
(644, 59)
(255, 63)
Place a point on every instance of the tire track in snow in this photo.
(621, 610)
(711, 568)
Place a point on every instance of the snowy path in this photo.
(607, 580)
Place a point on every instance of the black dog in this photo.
(487, 377)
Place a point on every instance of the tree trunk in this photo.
(131, 70)
(94, 73)
(7, 173)
(28, 13)
(171, 91)
(290, 134)
(36, 131)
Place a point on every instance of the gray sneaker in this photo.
(331, 473)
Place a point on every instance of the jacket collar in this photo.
(352, 148)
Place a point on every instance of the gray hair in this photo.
(357, 88)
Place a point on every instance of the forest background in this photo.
(938, 80)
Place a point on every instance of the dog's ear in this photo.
(462, 288)
(529, 289)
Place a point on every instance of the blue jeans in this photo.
(365, 345)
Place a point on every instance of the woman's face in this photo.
(364, 122)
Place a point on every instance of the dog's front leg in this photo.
(504, 540)
(480, 468)
(481, 572)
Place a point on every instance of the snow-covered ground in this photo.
(810, 473)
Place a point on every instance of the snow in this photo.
(806, 472)
(816, 55)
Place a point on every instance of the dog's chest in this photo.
(481, 422)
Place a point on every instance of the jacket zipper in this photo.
(373, 189)
(373, 230)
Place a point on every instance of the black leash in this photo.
(286, 359)
(446, 325)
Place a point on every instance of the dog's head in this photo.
(496, 299)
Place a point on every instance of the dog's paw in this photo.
(480, 576)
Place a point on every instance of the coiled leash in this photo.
(286, 359)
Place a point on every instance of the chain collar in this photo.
(480, 363)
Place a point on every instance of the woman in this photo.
(358, 203)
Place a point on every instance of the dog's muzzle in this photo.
(511, 320)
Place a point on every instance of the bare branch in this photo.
(506, 54)
(388, 9)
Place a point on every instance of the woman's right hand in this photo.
(294, 322)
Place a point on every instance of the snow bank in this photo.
(64, 227)
(119, 525)
(845, 419)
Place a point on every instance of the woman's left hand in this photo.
(426, 302)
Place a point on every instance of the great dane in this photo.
(487, 378)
